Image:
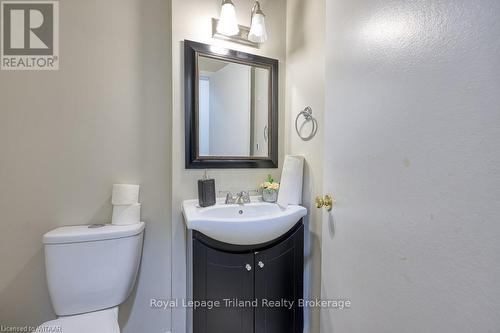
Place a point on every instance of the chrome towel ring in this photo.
(307, 113)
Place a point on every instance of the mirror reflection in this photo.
(233, 109)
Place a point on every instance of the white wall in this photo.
(260, 89)
(204, 114)
(230, 111)
(305, 70)
(413, 87)
(67, 136)
(192, 20)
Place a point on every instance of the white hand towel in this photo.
(290, 192)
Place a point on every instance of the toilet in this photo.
(90, 271)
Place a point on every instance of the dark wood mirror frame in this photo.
(191, 52)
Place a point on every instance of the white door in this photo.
(412, 124)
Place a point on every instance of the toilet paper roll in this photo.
(125, 194)
(126, 214)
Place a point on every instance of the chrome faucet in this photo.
(239, 198)
(242, 198)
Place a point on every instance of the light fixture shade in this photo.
(258, 32)
(228, 24)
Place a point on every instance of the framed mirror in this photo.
(231, 115)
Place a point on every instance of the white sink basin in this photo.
(254, 223)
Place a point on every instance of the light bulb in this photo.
(228, 24)
(258, 32)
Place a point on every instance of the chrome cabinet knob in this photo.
(261, 264)
(248, 267)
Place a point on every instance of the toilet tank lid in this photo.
(87, 233)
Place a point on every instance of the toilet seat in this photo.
(104, 321)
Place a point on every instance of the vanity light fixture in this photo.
(228, 24)
(227, 28)
(258, 32)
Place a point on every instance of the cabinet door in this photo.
(217, 276)
(278, 277)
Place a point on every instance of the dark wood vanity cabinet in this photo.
(219, 275)
(264, 279)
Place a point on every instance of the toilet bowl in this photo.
(90, 271)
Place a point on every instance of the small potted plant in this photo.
(270, 190)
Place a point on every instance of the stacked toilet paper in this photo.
(126, 206)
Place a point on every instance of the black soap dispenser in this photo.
(206, 191)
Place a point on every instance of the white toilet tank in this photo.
(91, 268)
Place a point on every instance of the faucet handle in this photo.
(245, 196)
(230, 198)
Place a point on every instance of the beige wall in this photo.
(67, 136)
(305, 78)
(192, 20)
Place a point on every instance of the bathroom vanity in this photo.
(256, 277)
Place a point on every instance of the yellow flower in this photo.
(270, 186)
(274, 186)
